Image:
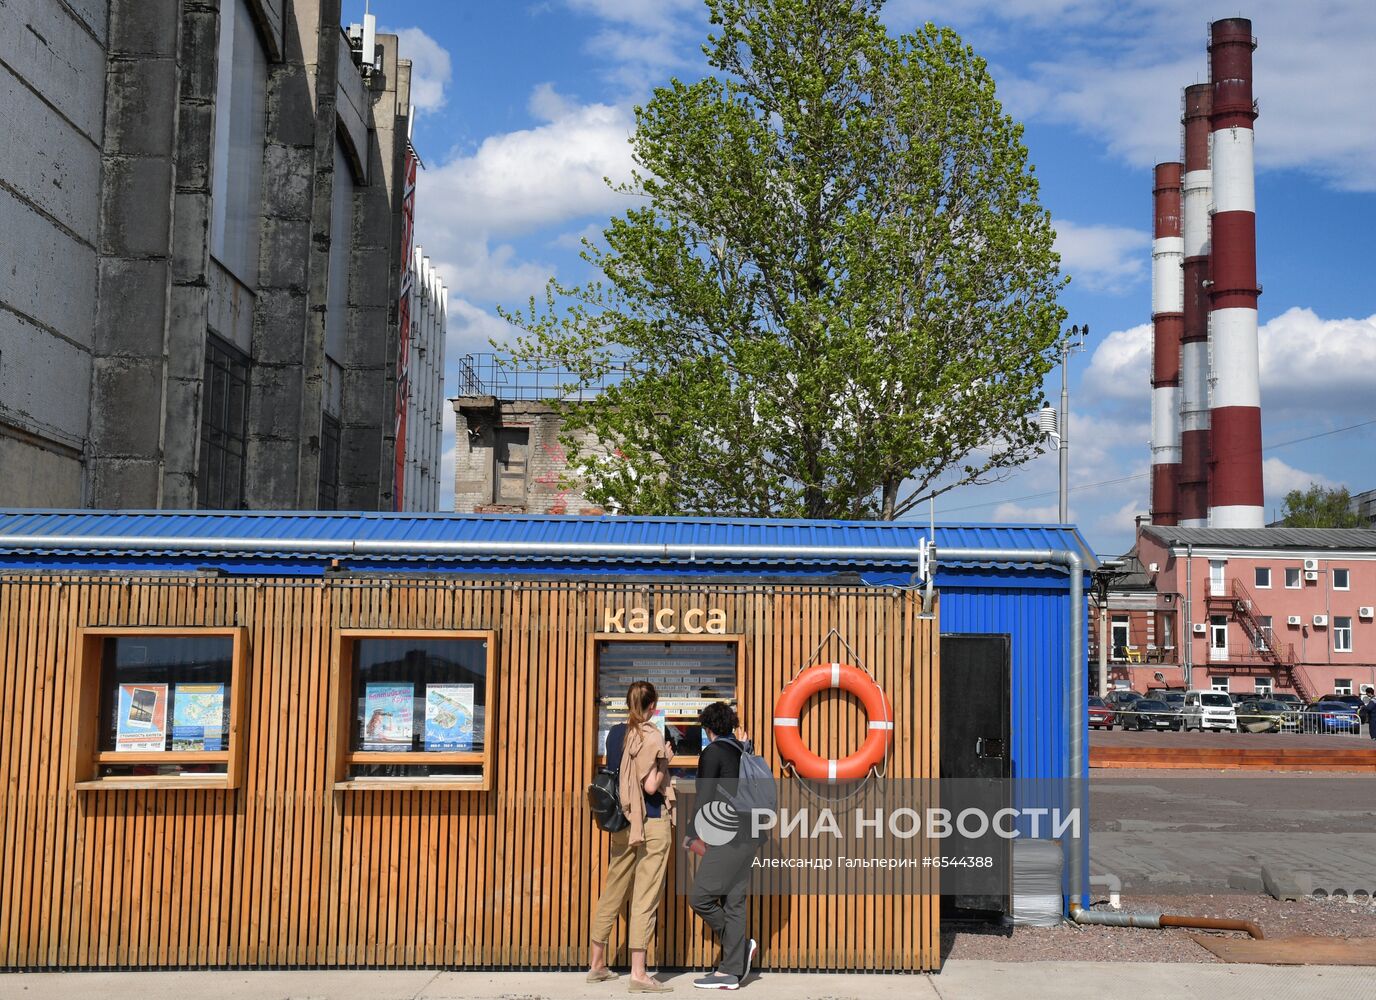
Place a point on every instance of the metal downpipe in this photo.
(1156, 921)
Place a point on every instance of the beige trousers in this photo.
(639, 872)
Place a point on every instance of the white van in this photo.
(1209, 710)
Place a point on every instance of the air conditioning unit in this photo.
(1294, 620)
(1311, 564)
(1366, 612)
(1200, 628)
(1321, 620)
(1311, 575)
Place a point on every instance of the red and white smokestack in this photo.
(1236, 499)
(1167, 321)
(1197, 196)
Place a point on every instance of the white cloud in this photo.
(592, 232)
(1310, 364)
(643, 40)
(1280, 478)
(1120, 367)
(1103, 258)
(430, 67)
(518, 181)
(471, 331)
(493, 274)
(1115, 70)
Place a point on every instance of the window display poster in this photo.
(449, 717)
(141, 720)
(387, 716)
(198, 717)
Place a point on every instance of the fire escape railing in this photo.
(1262, 638)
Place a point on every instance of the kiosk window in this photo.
(414, 706)
(688, 676)
(157, 703)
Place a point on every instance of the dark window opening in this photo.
(224, 427)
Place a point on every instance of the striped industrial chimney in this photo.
(1236, 499)
(1167, 321)
(1193, 508)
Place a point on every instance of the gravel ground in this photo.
(1072, 942)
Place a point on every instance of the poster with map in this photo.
(388, 716)
(449, 717)
(199, 720)
(141, 718)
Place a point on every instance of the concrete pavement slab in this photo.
(959, 980)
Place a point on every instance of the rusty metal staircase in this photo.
(1279, 656)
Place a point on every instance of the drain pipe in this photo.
(1156, 921)
(343, 548)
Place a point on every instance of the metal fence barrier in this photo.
(1307, 721)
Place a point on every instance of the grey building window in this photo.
(329, 463)
(224, 427)
(511, 457)
(240, 126)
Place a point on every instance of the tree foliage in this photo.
(1320, 507)
(837, 294)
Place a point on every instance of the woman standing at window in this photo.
(640, 853)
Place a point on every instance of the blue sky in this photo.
(526, 106)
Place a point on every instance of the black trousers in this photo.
(720, 890)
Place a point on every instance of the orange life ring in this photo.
(789, 708)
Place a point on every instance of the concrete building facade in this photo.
(201, 207)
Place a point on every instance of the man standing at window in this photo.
(722, 883)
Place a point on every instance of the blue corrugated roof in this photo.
(80, 541)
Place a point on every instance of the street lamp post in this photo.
(1075, 342)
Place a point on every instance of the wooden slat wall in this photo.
(286, 871)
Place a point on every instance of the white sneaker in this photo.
(750, 950)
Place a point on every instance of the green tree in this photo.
(837, 295)
(1320, 507)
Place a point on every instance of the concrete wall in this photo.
(549, 487)
(108, 288)
(52, 97)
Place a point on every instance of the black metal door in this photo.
(976, 765)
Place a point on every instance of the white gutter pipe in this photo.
(344, 548)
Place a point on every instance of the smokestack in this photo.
(1236, 499)
(1167, 320)
(1197, 194)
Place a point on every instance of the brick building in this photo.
(510, 455)
(202, 247)
(1246, 610)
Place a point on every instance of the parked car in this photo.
(1334, 717)
(1122, 700)
(1290, 700)
(1355, 700)
(1151, 714)
(1266, 717)
(1100, 715)
(1174, 699)
(1240, 696)
(1208, 710)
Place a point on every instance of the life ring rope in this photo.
(873, 752)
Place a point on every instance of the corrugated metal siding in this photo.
(495, 529)
(1037, 622)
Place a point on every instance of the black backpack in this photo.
(604, 798)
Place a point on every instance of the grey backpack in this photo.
(757, 790)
